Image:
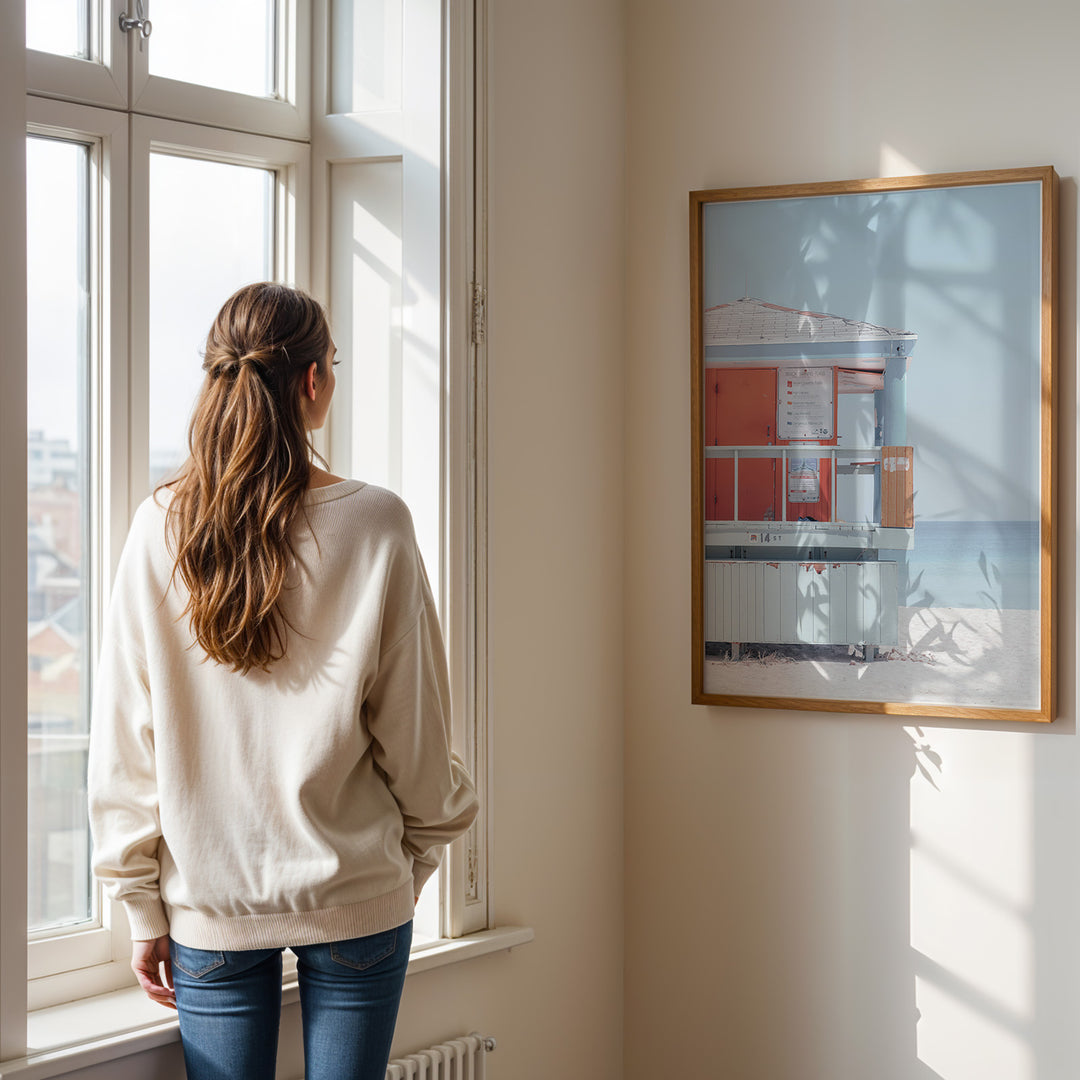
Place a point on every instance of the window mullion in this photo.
(137, 316)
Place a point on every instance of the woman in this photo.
(270, 763)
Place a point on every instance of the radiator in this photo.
(457, 1059)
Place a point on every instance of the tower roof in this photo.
(751, 321)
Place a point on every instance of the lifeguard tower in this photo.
(808, 478)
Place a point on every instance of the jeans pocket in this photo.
(364, 952)
(195, 962)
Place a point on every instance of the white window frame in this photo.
(13, 457)
(106, 133)
(287, 116)
(468, 893)
(380, 136)
(100, 79)
(465, 546)
(91, 960)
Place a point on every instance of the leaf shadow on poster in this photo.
(955, 266)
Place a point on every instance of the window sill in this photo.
(83, 1033)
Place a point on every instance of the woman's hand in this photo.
(153, 968)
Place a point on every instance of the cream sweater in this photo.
(304, 805)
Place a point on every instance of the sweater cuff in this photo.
(421, 871)
(146, 919)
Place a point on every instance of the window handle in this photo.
(142, 24)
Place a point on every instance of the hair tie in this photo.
(230, 364)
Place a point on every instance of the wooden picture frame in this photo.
(873, 445)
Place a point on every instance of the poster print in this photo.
(872, 424)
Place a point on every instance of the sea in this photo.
(971, 564)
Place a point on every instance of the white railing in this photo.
(859, 460)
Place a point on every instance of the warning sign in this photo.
(805, 406)
(804, 480)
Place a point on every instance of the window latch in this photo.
(142, 24)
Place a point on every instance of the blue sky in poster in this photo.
(957, 266)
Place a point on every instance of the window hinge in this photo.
(479, 313)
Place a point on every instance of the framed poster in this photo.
(872, 435)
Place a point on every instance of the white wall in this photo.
(801, 901)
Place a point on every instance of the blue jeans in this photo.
(230, 1007)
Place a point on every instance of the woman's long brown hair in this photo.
(242, 488)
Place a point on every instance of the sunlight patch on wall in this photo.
(971, 902)
(893, 163)
(963, 1043)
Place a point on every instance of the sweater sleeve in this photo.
(408, 715)
(122, 784)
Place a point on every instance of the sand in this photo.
(945, 656)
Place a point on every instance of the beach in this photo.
(979, 657)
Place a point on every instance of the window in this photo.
(220, 210)
(73, 234)
(196, 207)
(142, 154)
(239, 54)
(124, 255)
(63, 29)
(58, 227)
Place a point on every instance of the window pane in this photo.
(58, 26)
(58, 501)
(211, 231)
(228, 46)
